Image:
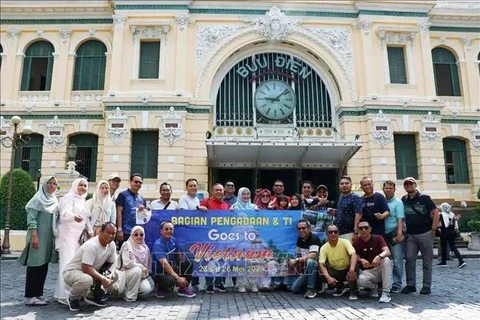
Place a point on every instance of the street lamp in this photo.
(71, 155)
(13, 142)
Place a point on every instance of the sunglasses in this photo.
(230, 185)
(301, 228)
(168, 229)
(138, 235)
(363, 228)
(138, 182)
(332, 231)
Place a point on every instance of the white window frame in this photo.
(148, 33)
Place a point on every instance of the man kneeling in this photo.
(170, 266)
(373, 261)
(83, 271)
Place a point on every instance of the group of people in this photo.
(370, 238)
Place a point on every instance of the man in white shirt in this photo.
(114, 182)
(165, 202)
(82, 272)
(190, 201)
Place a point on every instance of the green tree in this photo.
(23, 190)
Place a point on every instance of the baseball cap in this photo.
(320, 187)
(114, 176)
(410, 179)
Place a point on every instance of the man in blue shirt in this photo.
(394, 233)
(169, 266)
(375, 207)
(128, 202)
(349, 210)
(229, 196)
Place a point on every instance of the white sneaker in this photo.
(254, 287)
(242, 289)
(34, 301)
(385, 297)
(374, 292)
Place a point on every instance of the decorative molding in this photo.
(65, 34)
(208, 36)
(381, 131)
(13, 34)
(172, 129)
(365, 25)
(425, 29)
(454, 29)
(69, 115)
(339, 40)
(183, 21)
(55, 21)
(119, 21)
(274, 25)
(150, 7)
(40, 33)
(404, 102)
(476, 137)
(4, 130)
(55, 136)
(86, 99)
(467, 43)
(454, 106)
(92, 32)
(358, 113)
(431, 129)
(117, 125)
(387, 37)
(145, 98)
(392, 13)
(457, 120)
(150, 107)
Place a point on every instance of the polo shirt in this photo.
(129, 201)
(163, 248)
(370, 249)
(418, 217)
(213, 204)
(371, 205)
(310, 244)
(397, 211)
(230, 201)
(337, 257)
(347, 208)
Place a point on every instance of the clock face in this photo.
(275, 100)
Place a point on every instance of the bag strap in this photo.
(166, 206)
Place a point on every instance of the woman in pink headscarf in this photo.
(73, 220)
(263, 200)
(135, 268)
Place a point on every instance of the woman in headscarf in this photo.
(42, 211)
(136, 263)
(73, 218)
(244, 201)
(263, 200)
(447, 235)
(100, 207)
(296, 202)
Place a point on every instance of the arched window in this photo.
(38, 67)
(456, 165)
(90, 66)
(86, 159)
(447, 82)
(29, 156)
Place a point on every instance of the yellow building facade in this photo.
(247, 90)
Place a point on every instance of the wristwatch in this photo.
(296, 260)
(119, 229)
(379, 256)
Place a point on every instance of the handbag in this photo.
(83, 237)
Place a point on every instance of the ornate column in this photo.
(426, 53)
(364, 28)
(118, 47)
(182, 29)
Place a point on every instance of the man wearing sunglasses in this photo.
(229, 196)
(373, 261)
(337, 261)
(308, 246)
(170, 267)
(128, 202)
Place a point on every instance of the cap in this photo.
(114, 176)
(320, 187)
(410, 179)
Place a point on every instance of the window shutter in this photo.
(396, 64)
(405, 156)
(455, 80)
(90, 65)
(149, 60)
(29, 156)
(460, 163)
(447, 80)
(144, 158)
(87, 150)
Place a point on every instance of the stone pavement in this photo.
(455, 295)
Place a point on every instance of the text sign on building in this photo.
(286, 66)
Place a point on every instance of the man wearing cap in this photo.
(321, 200)
(114, 182)
(421, 217)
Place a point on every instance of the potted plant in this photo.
(474, 225)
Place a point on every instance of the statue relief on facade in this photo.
(476, 137)
(117, 125)
(274, 25)
(172, 129)
(381, 132)
(431, 129)
(55, 136)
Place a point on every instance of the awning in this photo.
(280, 154)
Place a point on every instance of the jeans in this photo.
(308, 279)
(165, 281)
(397, 252)
(423, 243)
(218, 280)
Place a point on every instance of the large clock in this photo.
(275, 100)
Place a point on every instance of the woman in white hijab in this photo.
(73, 218)
(42, 211)
(100, 207)
(136, 263)
(447, 235)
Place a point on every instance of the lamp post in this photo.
(38, 177)
(71, 155)
(13, 142)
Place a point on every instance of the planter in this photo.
(475, 243)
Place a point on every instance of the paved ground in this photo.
(456, 295)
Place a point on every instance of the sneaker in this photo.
(74, 304)
(441, 264)
(265, 288)
(374, 292)
(209, 289)
(196, 287)
(311, 293)
(396, 289)
(242, 289)
(254, 287)
(461, 265)
(95, 302)
(184, 292)
(220, 288)
(353, 296)
(408, 289)
(35, 301)
(340, 292)
(385, 297)
(425, 290)
(160, 294)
